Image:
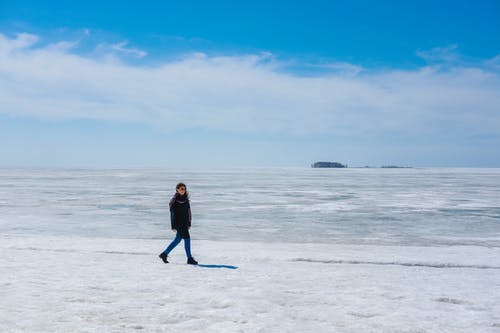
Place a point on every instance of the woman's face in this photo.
(181, 190)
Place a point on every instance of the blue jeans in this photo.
(176, 241)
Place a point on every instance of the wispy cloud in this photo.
(22, 41)
(494, 62)
(246, 93)
(122, 48)
(440, 54)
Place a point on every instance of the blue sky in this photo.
(225, 83)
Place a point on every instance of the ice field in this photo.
(282, 250)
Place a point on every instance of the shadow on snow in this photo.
(217, 266)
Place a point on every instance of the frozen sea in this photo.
(282, 250)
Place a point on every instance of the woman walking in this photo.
(180, 220)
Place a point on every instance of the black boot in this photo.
(191, 261)
(163, 257)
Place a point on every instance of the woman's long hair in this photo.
(179, 185)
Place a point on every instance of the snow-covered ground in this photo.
(284, 249)
(81, 284)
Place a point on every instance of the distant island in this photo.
(340, 165)
(328, 165)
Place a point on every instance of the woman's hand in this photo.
(174, 230)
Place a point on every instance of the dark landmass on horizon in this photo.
(323, 164)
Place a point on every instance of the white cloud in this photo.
(247, 93)
(22, 41)
(343, 68)
(446, 54)
(494, 63)
(62, 46)
(121, 47)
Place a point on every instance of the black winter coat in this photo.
(180, 214)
